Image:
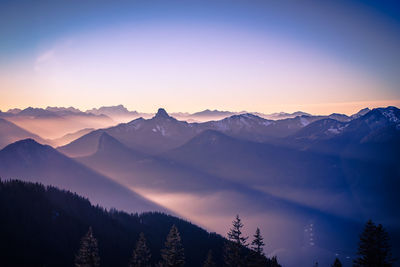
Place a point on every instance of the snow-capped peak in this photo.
(390, 114)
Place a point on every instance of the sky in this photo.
(265, 56)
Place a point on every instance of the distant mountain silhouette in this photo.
(214, 112)
(62, 111)
(55, 122)
(30, 161)
(49, 112)
(254, 128)
(9, 133)
(68, 138)
(283, 115)
(112, 111)
(37, 112)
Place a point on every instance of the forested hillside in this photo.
(43, 226)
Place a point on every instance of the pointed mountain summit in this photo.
(109, 146)
(83, 146)
(26, 147)
(149, 136)
(106, 142)
(161, 113)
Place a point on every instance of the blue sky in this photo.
(318, 56)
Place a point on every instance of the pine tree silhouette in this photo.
(173, 253)
(237, 242)
(257, 257)
(374, 249)
(274, 262)
(258, 243)
(88, 255)
(337, 263)
(141, 255)
(209, 262)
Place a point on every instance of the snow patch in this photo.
(334, 131)
(304, 121)
(390, 115)
(337, 130)
(161, 129)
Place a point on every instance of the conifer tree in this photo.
(141, 255)
(274, 262)
(237, 242)
(173, 254)
(337, 263)
(209, 262)
(374, 249)
(258, 243)
(257, 257)
(88, 255)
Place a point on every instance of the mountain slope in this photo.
(135, 169)
(30, 161)
(43, 226)
(83, 146)
(254, 163)
(9, 133)
(68, 138)
(270, 167)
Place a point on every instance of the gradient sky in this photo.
(265, 56)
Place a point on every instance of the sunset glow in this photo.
(199, 133)
(230, 56)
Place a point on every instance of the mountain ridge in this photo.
(31, 161)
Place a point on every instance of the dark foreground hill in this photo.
(42, 226)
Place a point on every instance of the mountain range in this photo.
(54, 122)
(120, 112)
(333, 172)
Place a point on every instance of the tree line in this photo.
(374, 250)
(237, 252)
